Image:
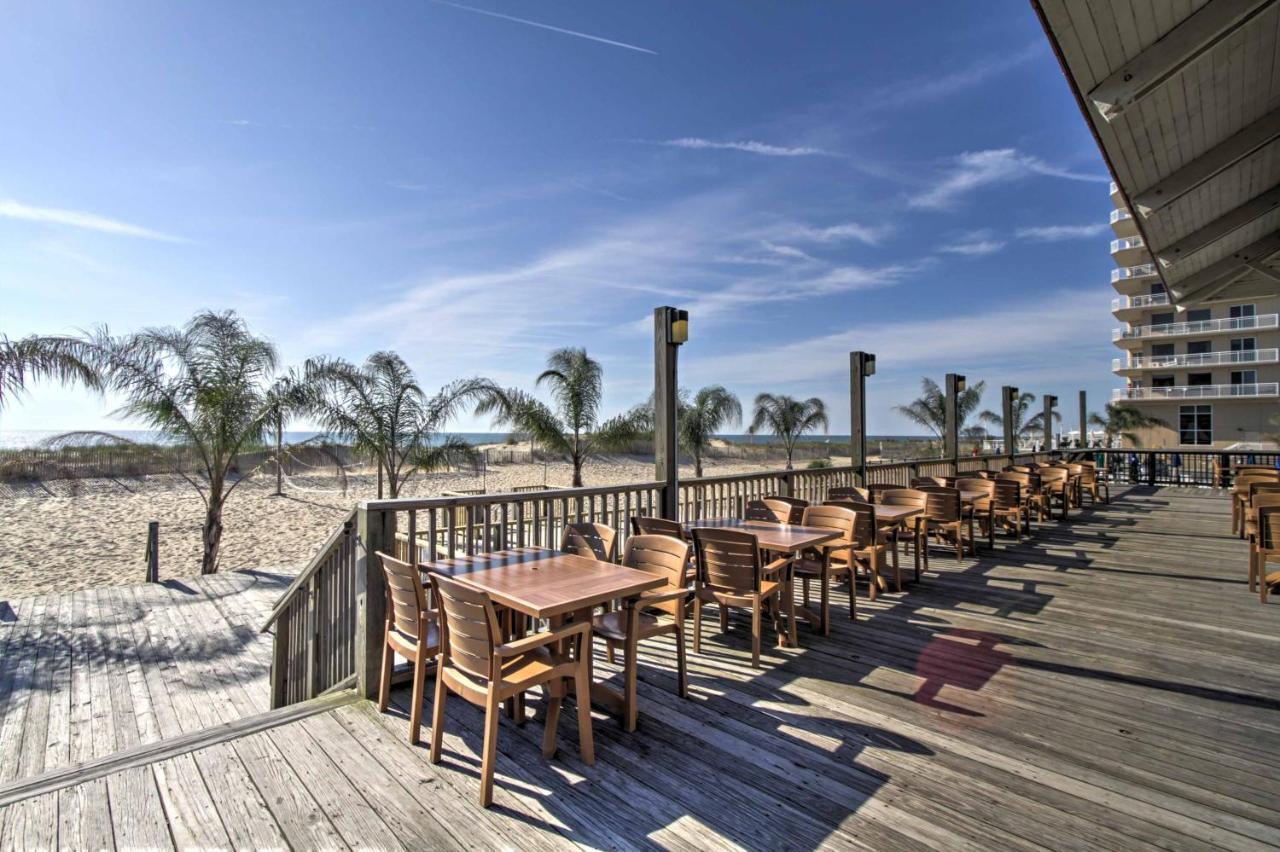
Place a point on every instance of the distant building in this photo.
(1210, 373)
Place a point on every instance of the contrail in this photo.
(587, 36)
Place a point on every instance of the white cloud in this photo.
(748, 146)
(973, 248)
(920, 89)
(787, 251)
(10, 209)
(975, 169)
(797, 232)
(1057, 233)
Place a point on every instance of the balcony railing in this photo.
(1212, 326)
(1120, 213)
(1113, 188)
(1151, 300)
(1198, 392)
(1126, 243)
(1198, 359)
(1142, 270)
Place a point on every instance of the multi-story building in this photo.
(1210, 374)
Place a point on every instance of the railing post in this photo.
(153, 552)
(1151, 468)
(375, 531)
(951, 421)
(666, 346)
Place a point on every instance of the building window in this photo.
(1199, 315)
(1244, 344)
(1198, 347)
(1244, 377)
(1161, 319)
(1199, 379)
(1157, 288)
(1161, 349)
(1162, 381)
(1195, 425)
(1238, 311)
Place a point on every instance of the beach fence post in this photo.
(375, 531)
(670, 330)
(951, 436)
(153, 552)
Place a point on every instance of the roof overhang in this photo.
(1183, 98)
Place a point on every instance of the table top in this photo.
(542, 583)
(780, 537)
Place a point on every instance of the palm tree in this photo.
(572, 428)
(380, 408)
(290, 395)
(205, 385)
(63, 359)
(1023, 426)
(788, 418)
(1123, 421)
(710, 410)
(930, 409)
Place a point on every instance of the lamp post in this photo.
(861, 365)
(951, 432)
(670, 331)
(1008, 397)
(1049, 402)
(1084, 422)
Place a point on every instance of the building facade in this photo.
(1210, 374)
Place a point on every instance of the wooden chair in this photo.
(918, 526)
(731, 574)
(475, 665)
(788, 510)
(841, 492)
(656, 526)
(1240, 494)
(917, 481)
(829, 559)
(410, 631)
(593, 541)
(1094, 482)
(1055, 484)
(759, 510)
(1006, 505)
(1267, 550)
(945, 515)
(1029, 487)
(667, 557)
(858, 503)
(1262, 496)
(877, 490)
(980, 510)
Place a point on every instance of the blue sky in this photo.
(474, 185)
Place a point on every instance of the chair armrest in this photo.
(537, 640)
(653, 598)
(776, 565)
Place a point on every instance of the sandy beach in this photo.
(61, 535)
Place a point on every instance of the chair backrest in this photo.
(1006, 494)
(904, 497)
(759, 510)
(840, 492)
(878, 489)
(1269, 528)
(468, 626)
(1020, 468)
(728, 560)
(656, 526)
(405, 595)
(918, 481)
(1244, 480)
(974, 483)
(833, 518)
(594, 541)
(1256, 489)
(1251, 468)
(1052, 475)
(663, 555)
(942, 504)
(788, 509)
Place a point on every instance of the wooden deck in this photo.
(1108, 684)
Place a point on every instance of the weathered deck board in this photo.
(1109, 683)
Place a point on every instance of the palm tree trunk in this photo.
(379, 478)
(279, 456)
(211, 535)
(697, 465)
(577, 471)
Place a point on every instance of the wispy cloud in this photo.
(798, 232)
(10, 209)
(1058, 233)
(975, 169)
(748, 146)
(973, 248)
(920, 89)
(549, 27)
(787, 251)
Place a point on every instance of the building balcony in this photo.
(1138, 363)
(1123, 224)
(1225, 325)
(1182, 392)
(1129, 305)
(1116, 198)
(1129, 251)
(1133, 273)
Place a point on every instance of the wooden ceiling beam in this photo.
(1216, 160)
(1220, 228)
(1175, 50)
(1201, 285)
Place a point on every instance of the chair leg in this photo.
(824, 599)
(553, 719)
(586, 744)
(755, 633)
(384, 685)
(437, 717)
(724, 618)
(631, 666)
(682, 670)
(609, 650)
(419, 690)
(697, 625)
(490, 754)
(791, 615)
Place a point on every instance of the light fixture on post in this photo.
(671, 330)
(861, 365)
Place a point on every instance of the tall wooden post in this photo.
(1008, 396)
(665, 390)
(951, 431)
(1084, 421)
(1049, 401)
(375, 531)
(858, 414)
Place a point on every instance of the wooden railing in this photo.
(1211, 468)
(328, 624)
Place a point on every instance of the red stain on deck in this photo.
(964, 659)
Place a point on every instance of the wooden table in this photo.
(779, 538)
(546, 584)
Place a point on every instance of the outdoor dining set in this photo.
(476, 619)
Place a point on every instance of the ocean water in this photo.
(17, 439)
